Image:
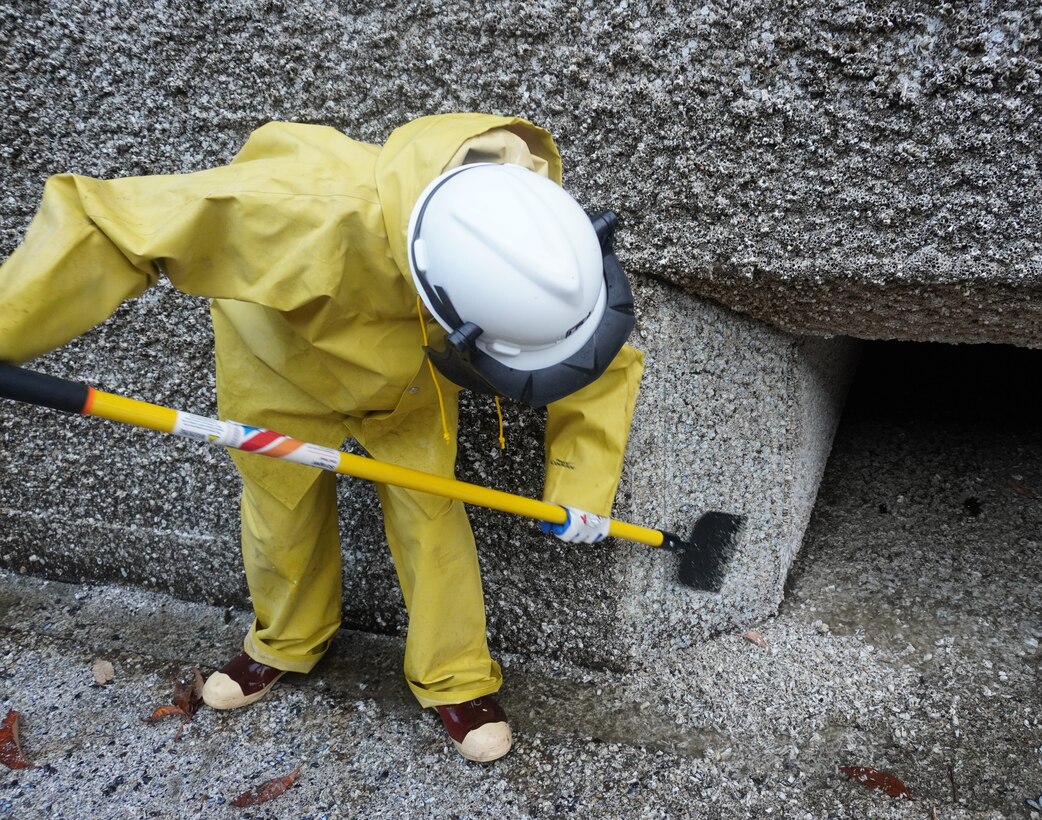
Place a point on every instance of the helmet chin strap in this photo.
(434, 376)
(437, 387)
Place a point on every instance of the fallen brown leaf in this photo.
(102, 671)
(756, 638)
(166, 711)
(266, 791)
(188, 692)
(1021, 488)
(10, 752)
(876, 779)
(185, 702)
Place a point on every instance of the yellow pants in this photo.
(293, 568)
(291, 542)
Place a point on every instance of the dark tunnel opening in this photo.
(940, 448)
(944, 404)
(938, 432)
(968, 383)
(933, 490)
(925, 549)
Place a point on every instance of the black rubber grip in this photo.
(37, 388)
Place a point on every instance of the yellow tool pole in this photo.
(703, 556)
(129, 411)
(167, 420)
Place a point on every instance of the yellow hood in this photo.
(423, 149)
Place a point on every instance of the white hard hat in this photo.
(518, 275)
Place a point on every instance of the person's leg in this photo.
(292, 561)
(446, 652)
(447, 662)
(291, 548)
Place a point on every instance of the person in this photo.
(355, 290)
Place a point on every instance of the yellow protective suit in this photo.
(301, 244)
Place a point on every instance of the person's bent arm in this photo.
(586, 436)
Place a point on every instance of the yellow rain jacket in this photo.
(301, 244)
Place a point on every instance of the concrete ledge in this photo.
(736, 416)
(733, 415)
(868, 170)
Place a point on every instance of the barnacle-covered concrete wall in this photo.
(859, 168)
(831, 170)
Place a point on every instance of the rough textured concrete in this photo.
(908, 642)
(733, 415)
(867, 170)
(791, 161)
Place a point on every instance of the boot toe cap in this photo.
(221, 691)
(486, 743)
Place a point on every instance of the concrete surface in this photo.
(908, 642)
(856, 169)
